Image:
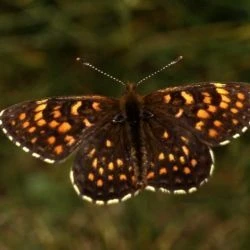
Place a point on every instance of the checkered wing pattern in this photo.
(51, 129)
(105, 168)
(214, 112)
(177, 161)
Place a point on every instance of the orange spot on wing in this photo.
(199, 125)
(186, 170)
(123, 177)
(167, 98)
(110, 177)
(239, 104)
(235, 121)
(205, 94)
(207, 99)
(96, 106)
(161, 157)
(41, 122)
(58, 149)
(212, 108)
(217, 123)
(22, 116)
(69, 139)
(91, 177)
(163, 171)
(99, 183)
(53, 124)
(64, 127)
(56, 113)
(32, 129)
(193, 162)
(223, 105)
(150, 175)
(241, 96)
(33, 140)
(51, 140)
(212, 133)
(175, 168)
(25, 124)
(203, 114)
(234, 110)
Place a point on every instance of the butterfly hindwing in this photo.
(52, 128)
(105, 170)
(176, 160)
(215, 112)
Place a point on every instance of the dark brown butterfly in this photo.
(161, 141)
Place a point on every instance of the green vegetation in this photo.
(39, 41)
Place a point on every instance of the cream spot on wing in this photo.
(41, 107)
(108, 143)
(38, 116)
(87, 123)
(75, 107)
(161, 156)
(111, 166)
(188, 97)
(179, 113)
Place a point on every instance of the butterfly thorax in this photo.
(131, 105)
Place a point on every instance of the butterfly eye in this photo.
(146, 114)
(119, 118)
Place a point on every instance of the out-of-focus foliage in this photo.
(39, 41)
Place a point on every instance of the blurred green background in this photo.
(39, 41)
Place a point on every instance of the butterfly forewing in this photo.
(105, 171)
(176, 160)
(215, 112)
(52, 128)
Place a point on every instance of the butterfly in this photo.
(161, 141)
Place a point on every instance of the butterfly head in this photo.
(130, 87)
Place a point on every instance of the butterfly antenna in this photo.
(159, 70)
(79, 59)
